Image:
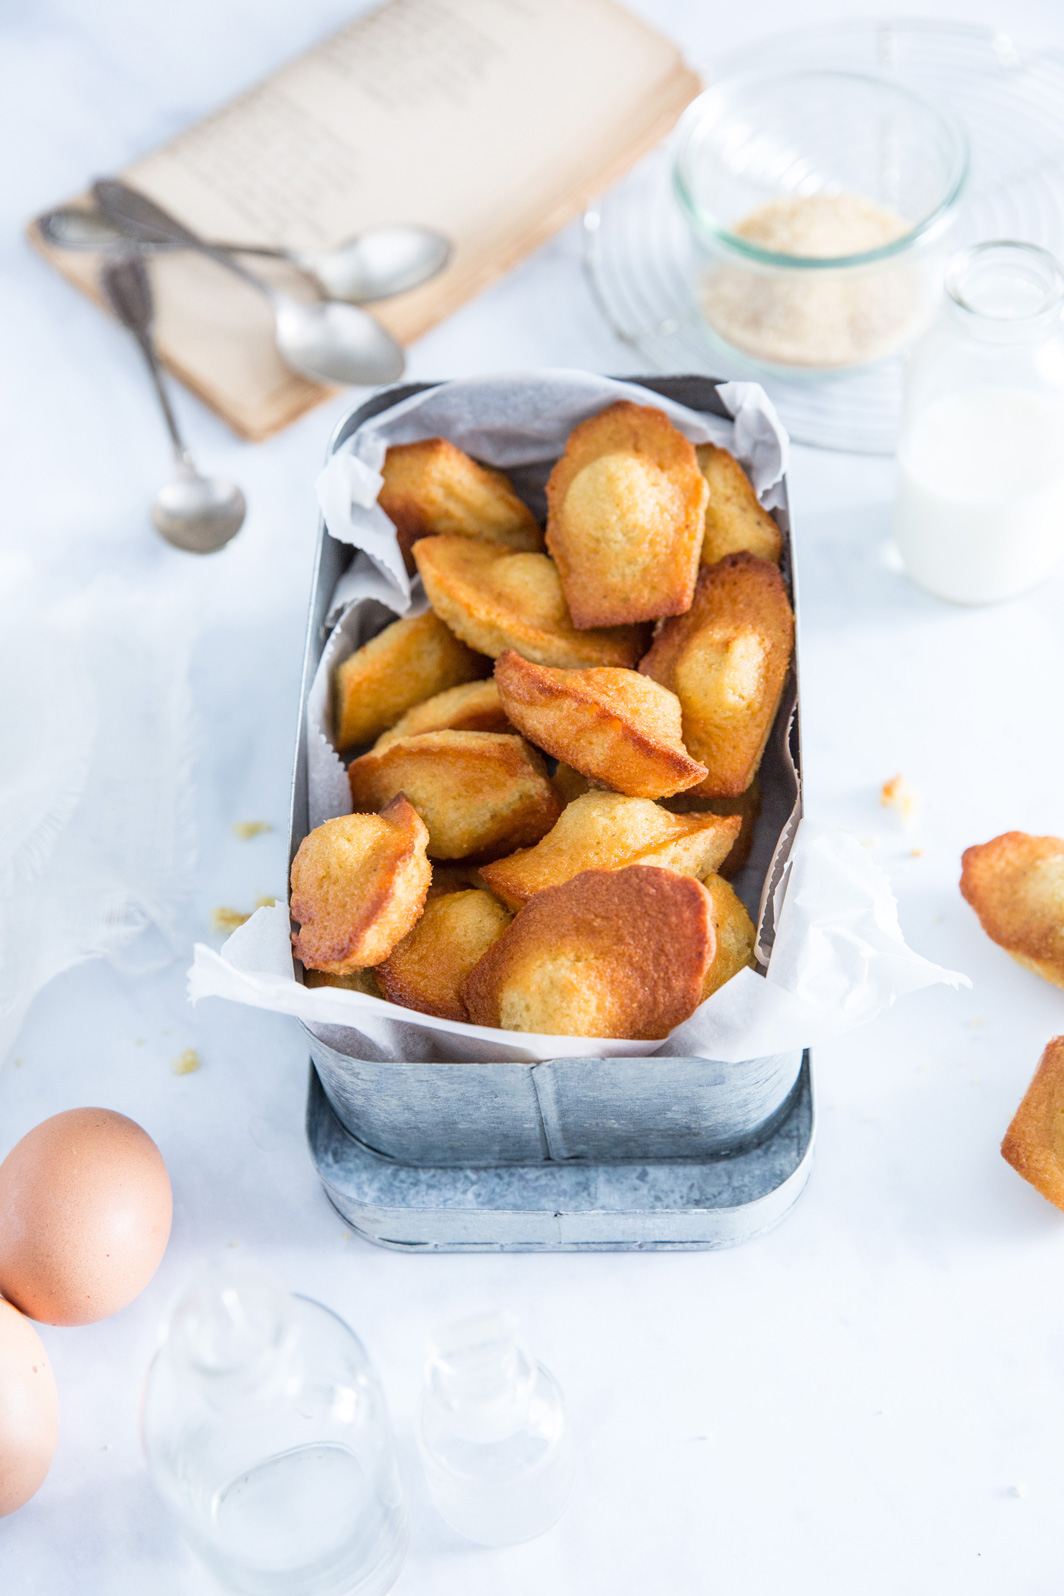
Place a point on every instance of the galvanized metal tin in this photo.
(571, 1206)
(438, 1113)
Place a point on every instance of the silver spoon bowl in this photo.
(198, 514)
(195, 513)
(376, 264)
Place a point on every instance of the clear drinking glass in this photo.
(979, 515)
(268, 1438)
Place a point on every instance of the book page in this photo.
(492, 120)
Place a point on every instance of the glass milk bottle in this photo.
(268, 1438)
(980, 507)
(493, 1435)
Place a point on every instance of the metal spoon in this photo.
(325, 341)
(374, 265)
(199, 514)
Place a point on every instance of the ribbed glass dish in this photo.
(642, 262)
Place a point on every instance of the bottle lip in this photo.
(970, 277)
(481, 1375)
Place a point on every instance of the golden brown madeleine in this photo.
(477, 792)
(626, 505)
(613, 725)
(607, 831)
(357, 981)
(474, 706)
(411, 660)
(726, 660)
(434, 487)
(1034, 1142)
(495, 599)
(358, 885)
(734, 518)
(733, 932)
(426, 970)
(1015, 884)
(747, 805)
(618, 953)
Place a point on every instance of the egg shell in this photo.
(29, 1410)
(85, 1211)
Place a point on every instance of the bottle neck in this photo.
(234, 1335)
(1005, 294)
(481, 1377)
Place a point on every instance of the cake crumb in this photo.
(246, 829)
(899, 794)
(265, 903)
(226, 921)
(186, 1063)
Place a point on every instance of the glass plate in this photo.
(637, 249)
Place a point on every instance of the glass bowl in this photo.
(820, 203)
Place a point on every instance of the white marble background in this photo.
(868, 1400)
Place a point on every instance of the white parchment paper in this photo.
(839, 957)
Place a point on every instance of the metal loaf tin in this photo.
(575, 1206)
(439, 1113)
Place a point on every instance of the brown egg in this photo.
(29, 1410)
(85, 1209)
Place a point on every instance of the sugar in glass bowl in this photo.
(820, 203)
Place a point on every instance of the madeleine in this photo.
(434, 487)
(359, 883)
(410, 660)
(614, 953)
(735, 519)
(608, 831)
(614, 726)
(477, 792)
(1015, 884)
(495, 599)
(727, 660)
(626, 507)
(426, 970)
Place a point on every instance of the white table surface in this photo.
(871, 1398)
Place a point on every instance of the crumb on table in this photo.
(246, 829)
(899, 794)
(226, 921)
(186, 1063)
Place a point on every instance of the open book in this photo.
(492, 120)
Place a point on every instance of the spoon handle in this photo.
(128, 289)
(140, 218)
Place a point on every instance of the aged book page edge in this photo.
(409, 321)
